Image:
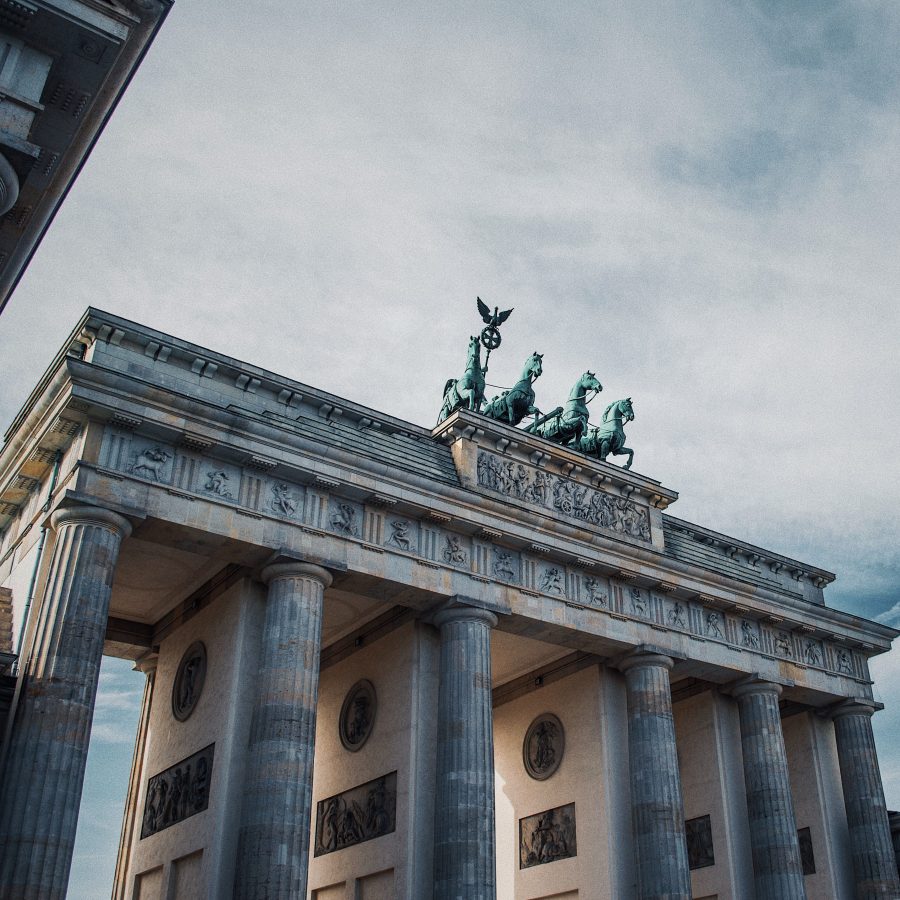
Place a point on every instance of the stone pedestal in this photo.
(48, 752)
(656, 800)
(464, 834)
(874, 865)
(777, 870)
(275, 820)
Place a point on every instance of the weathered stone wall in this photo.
(819, 803)
(402, 667)
(708, 736)
(230, 628)
(603, 817)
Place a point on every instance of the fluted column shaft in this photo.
(48, 751)
(874, 866)
(273, 854)
(777, 869)
(464, 836)
(148, 665)
(656, 798)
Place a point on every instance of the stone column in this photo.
(657, 809)
(273, 852)
(464, 835)
(874, 865)
(777, 870)
(48, 751)
(147, 664)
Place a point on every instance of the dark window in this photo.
(807, 858)
(699, 843)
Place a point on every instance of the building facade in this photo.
(384, 661)
(64, 65)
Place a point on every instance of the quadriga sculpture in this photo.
(513, 405)
(609, 437)
(467, 391)
(571, 423)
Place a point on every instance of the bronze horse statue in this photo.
(467, 391)
(609, 438)
(513, 405)
(571, 423)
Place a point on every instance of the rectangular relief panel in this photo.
(547, 836)
(179, 792)
(359, 814)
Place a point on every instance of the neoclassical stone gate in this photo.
(384, 661)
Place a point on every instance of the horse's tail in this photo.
(448, 385)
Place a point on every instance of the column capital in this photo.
(147, 663)
(852, 706)
(753, 684)
(464, 614)
(644, 656)
(296, 570)
(90, 515)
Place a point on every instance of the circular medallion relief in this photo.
(358, 715)
(189, 681)
(544, 745)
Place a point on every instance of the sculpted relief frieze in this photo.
(357, 815)
(178, 793)
(432, 541)
(403, 535)
(284, 499)
(573, 500)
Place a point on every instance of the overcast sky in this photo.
(697, 201)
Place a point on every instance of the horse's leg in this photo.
(626, 451)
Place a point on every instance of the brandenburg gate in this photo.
(388, 661)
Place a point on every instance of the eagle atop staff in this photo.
(492, 320)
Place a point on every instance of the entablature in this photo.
(553, 536)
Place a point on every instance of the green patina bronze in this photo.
(467, 391)
(571, 422)
(513, 405)
(567, 425)
(608, 439)
(490, 334)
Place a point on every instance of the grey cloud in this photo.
(747, 168)
(851, 45)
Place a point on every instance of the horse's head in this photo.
(621, 409)
(474, 347)
(533, 366)
(589, 382)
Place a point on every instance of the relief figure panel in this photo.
(283, 499)
(345, 518)
(556, 493)
(402, 534)
(178, 793)
(152, 461)
(547, 836)
(357, 815)
(219, 480)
